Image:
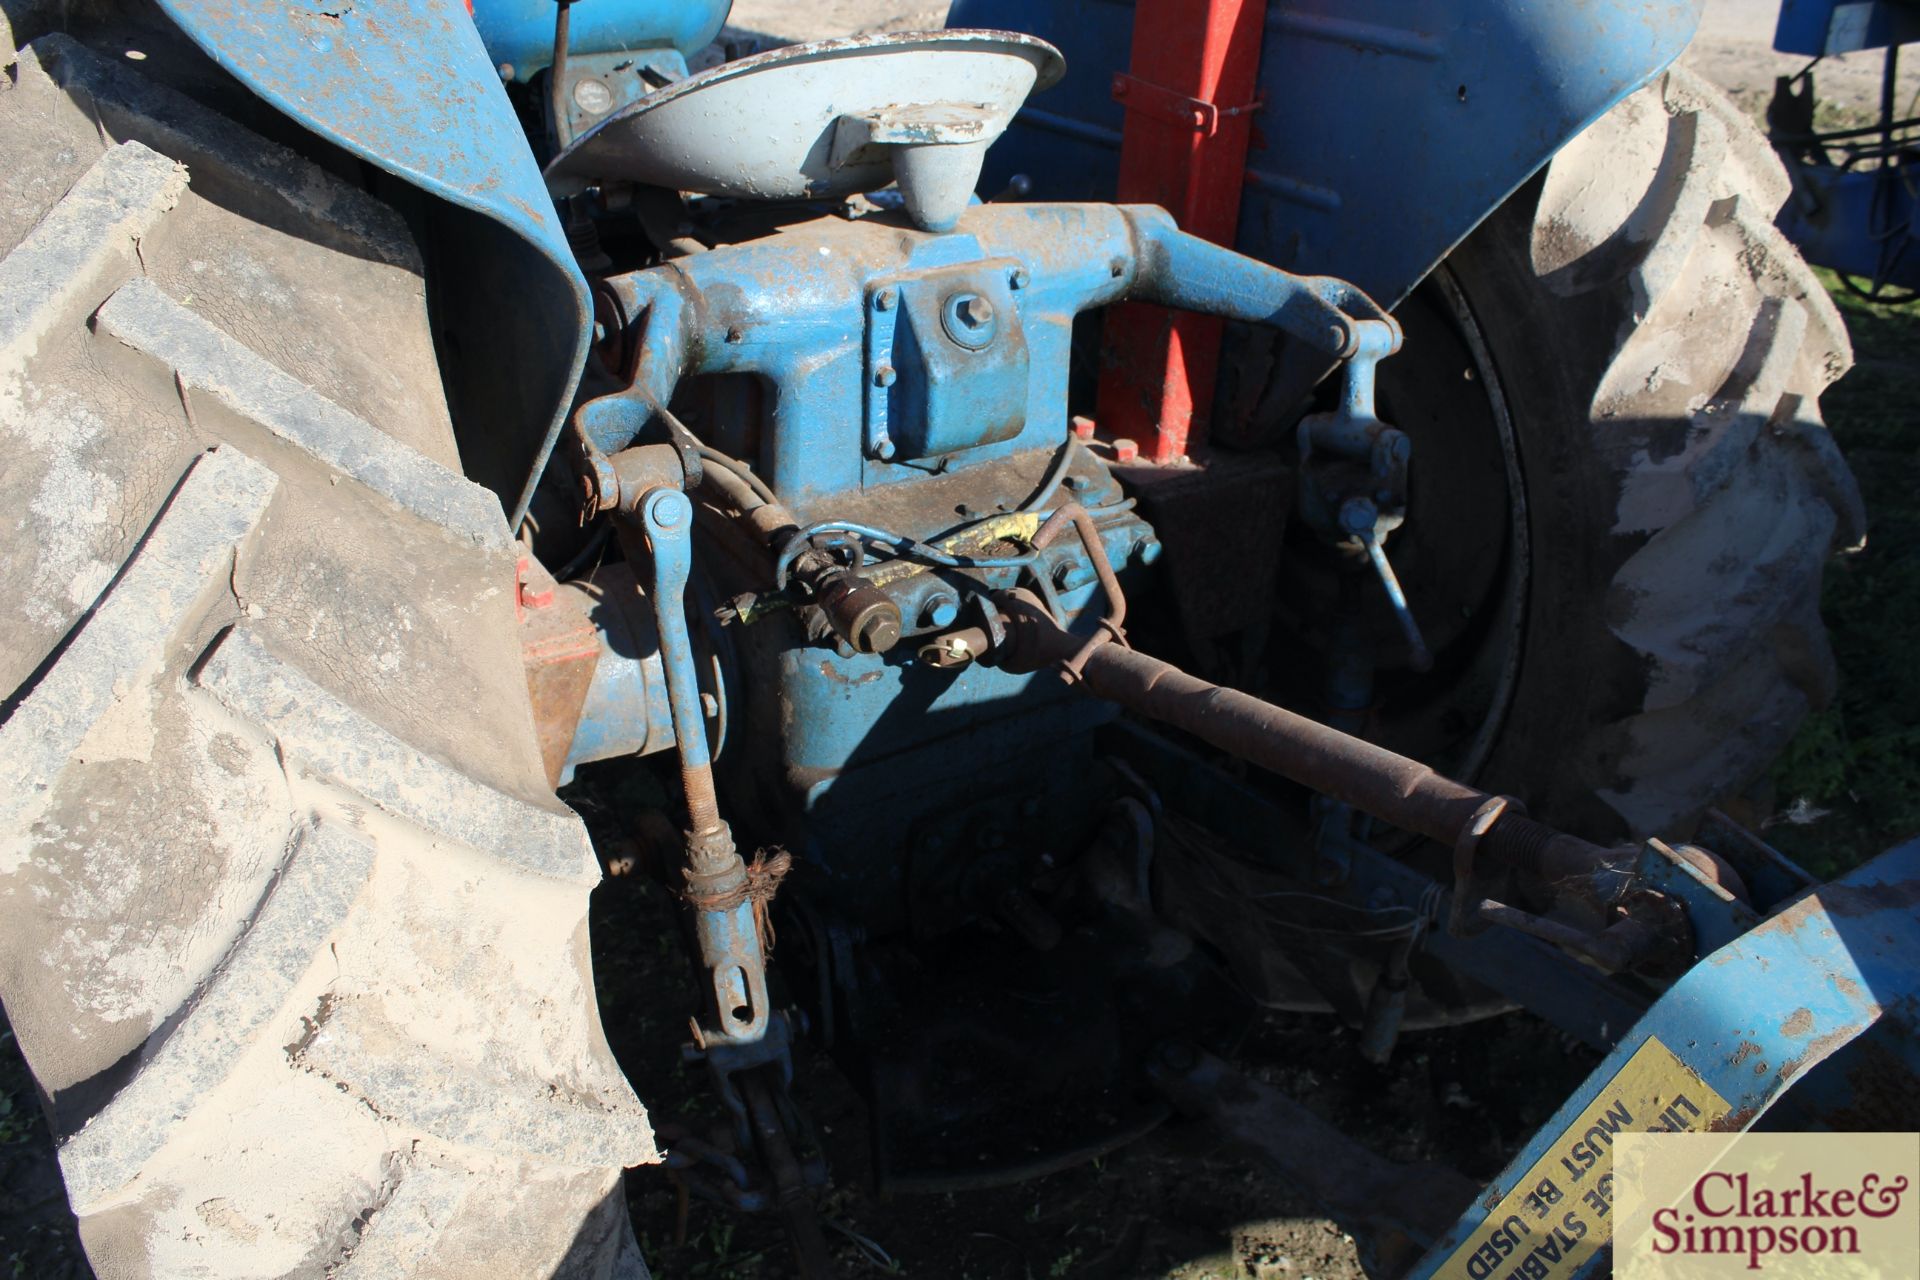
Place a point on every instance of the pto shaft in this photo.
(1391, 787)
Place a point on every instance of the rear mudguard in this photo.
(1385, 130)
(409, 87)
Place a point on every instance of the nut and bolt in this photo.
(878, 632)
(969, 320)
(1357, 516)
(668, 508)
(940, 610)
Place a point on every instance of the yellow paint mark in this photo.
(1017, 526)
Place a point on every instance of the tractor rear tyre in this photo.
(1623, 498)
(292, 928)
(1662, 349)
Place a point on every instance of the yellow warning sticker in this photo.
(1559, 1213)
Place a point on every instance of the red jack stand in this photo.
(1189, 95)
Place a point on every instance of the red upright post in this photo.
(1187, 94)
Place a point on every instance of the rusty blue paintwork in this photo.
(803, 308)
(410, 88)
(1747, 1022)
(1385, 129)
(951, 350)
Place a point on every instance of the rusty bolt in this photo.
(879, 631)
(884, 376)
(976, 310)
(736, 334)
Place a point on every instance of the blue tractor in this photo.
(1366, 569)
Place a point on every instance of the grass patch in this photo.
(1849, 783)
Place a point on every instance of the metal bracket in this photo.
(1716, 917)
(883, 314)
(1203, 116)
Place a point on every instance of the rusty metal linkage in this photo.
(1370, 778)
(1072, 513)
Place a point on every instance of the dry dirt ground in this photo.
(1183, 1203)
(1180, 1205)
(1735, 50)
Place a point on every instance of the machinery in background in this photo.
(1854, 189)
